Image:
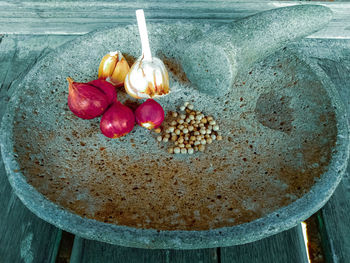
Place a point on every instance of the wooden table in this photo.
(29, 30)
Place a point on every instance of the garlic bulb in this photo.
(114, 68)
(147, 79)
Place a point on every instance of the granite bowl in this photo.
(285, 146)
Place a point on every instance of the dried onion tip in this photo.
(114, 68)
(90, 100)
(117, 121)
(149, 114)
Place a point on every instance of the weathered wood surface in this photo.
(23, 236)
(285, 247)
(87, 251)
(80, 17)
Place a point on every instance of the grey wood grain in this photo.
(80, 17)
(285, 247)
(87, 251)
(23, 236)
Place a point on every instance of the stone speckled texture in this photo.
(212, 62)
(274, 84)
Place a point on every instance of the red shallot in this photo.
(149, 114)
(106, 87)
(117, 121)
(90, 100)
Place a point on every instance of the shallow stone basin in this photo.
(284, 150)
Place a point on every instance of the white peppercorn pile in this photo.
(190, 131)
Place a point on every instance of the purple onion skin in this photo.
(86, 101)
(117, 121)
(106, 87)
(149, 114)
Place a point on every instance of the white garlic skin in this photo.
(147, 79)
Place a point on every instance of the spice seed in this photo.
(183, 150)
(216, 128)
(176, 150)
(159, 138)
(158, 130)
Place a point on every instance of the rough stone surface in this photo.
(212, 62)
(71, 164)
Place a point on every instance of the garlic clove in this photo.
(107, 65)
(147, 79)
(114, 68)
(121, 70)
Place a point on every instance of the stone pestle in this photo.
(212, 62)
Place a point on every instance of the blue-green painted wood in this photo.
(87, 251)
(285, 247)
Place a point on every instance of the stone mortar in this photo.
(238, 46)
(285, 147)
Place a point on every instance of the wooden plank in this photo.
(80, 17)
(284, 247)
(87, 251)
(23, 236)
(336, 222)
